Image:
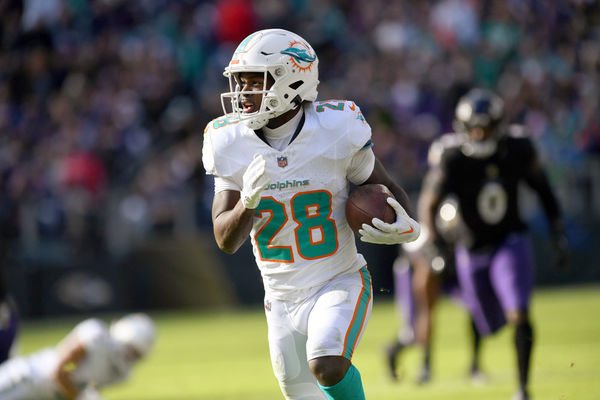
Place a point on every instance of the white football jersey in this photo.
(300, 236)
(104, 362)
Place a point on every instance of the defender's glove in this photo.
(254, 182)
(404, 230)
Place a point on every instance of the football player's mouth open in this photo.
(248, 107)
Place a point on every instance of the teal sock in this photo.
(349, 388)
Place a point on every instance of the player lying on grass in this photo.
(92, 356)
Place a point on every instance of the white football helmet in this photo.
(136, 330)
(288, 59)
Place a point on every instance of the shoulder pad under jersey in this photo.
(91, 330)
(343, 118)
(441, 145)
(521, 143)
(220, 136)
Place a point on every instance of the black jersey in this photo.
(487, 188)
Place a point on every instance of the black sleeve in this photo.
(537, 179)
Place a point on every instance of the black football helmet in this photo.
(479, 108)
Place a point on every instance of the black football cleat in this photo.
(424, 376)
(391, 355)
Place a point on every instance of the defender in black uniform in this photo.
(482, 165)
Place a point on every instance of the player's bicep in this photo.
(431, 193)
(70, 354)
(223, 201)
(434, 181)
(535, 174)
(225, 196)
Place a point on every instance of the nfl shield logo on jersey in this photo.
(282, 161)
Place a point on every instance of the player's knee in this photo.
(297, 382)
(301, 390)
(329, 370)
(516, 317)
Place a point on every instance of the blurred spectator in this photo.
(235, 20)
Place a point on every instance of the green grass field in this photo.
(223, 355)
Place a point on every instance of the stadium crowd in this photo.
(103, 103)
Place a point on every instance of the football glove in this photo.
(254, 182)
(403, 230)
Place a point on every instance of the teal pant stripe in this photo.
(367, 145)
(359, 314)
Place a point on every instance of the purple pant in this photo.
(404, 296)
(495, 282)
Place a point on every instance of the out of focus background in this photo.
(104, 203)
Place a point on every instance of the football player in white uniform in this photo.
(92, 356)
(283, 164)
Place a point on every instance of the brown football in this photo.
(367, 202)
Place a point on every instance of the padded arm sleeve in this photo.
(361, 166)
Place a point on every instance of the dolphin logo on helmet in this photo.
(299, 56)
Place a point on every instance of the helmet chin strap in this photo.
(297, 102)
(258, 122)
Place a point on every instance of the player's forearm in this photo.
(428, 205)
(231, 228)
(380, 175)
(429, 201)
(62, 377)
(402, 198)
(538, 181)
(428, 221)
(67, 364)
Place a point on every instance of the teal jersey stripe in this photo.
(367, 145)
(360, 314)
